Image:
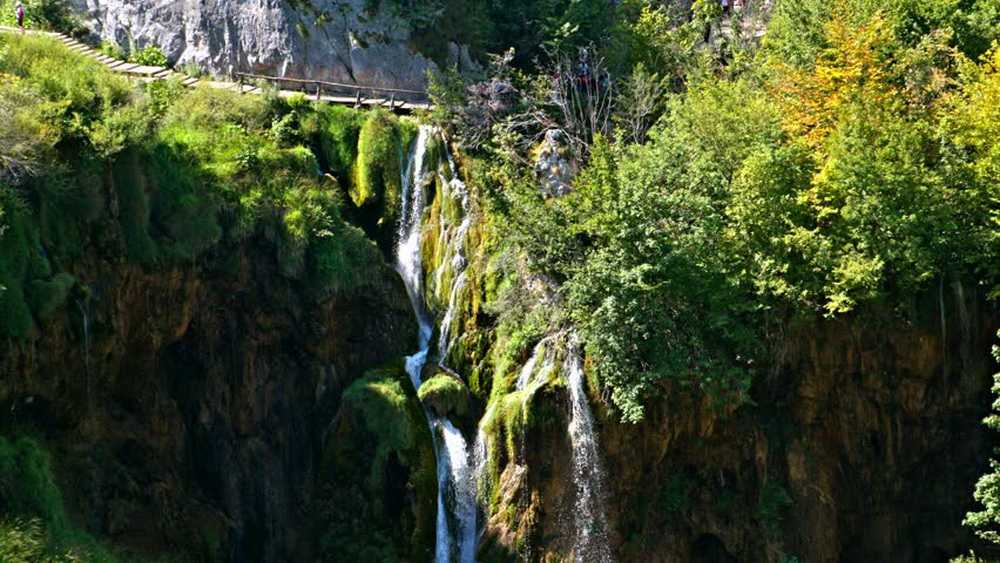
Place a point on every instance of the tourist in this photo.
(19, 10)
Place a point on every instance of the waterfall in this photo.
(456, 520)
(453, 238)
(591, 540)
(444, 338)
(454, 471)
(408, 258)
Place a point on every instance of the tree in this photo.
(986, 522)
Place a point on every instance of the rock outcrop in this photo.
(334, 40)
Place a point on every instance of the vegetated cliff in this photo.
(183, 313)
(863, 444)
(862, 440)
(350, 41)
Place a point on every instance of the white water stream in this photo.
(591, 540)
(456, 520)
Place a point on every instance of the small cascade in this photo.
(444, 338)
(456, 520)
(455, 472)
(591, 540)
(480, 457)
(85, 319)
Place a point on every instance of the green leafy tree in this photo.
(986, 522)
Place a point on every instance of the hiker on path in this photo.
(19, 10)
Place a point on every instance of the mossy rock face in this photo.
(377, 490)
(445, 394)
(48, 296)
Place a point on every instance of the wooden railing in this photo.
(364, 95)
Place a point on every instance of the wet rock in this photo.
(191, 417)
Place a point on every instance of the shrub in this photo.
(150, 55)
(45, 297)
(27, 487)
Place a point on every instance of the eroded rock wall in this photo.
(864, 445)
(186, 409)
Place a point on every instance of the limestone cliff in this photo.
(349, 41)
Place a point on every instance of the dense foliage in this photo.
(986, 522)
(169, 177)
(845, 157)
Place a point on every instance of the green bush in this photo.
(34, 526)
(27, 488)
(150, 55)
(45, 297)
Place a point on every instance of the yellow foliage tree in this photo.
(856, 66)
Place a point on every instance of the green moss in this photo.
(367, 466)
(378, 165)
(15, 252)
(133, 203)
(45, 297)
(335, 130)
(380, 398)
(446, 395)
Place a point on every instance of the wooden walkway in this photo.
(248, 83)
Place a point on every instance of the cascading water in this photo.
(591, 540)
(444, 339)
(455, 472)
(456, 502)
